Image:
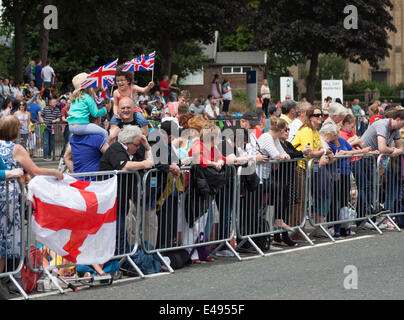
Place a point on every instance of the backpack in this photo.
(178, 258)
(204, 251)
(28, 277)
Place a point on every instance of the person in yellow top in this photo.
(288, 108)
(308, 138)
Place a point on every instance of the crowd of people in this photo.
(118, 135)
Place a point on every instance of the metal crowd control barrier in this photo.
(175, 215)
(127, 226)
(56, 140)
(391, 183)
(343, 192)
(278, 201)
(12, 206)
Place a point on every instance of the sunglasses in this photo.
(317, 115)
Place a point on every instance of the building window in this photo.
(193, 79)
(235, 70)
(379, 76)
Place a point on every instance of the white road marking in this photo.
(41, 295)
(309, 247)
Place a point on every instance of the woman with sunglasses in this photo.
(308, 137)
(275, 190)
(289, 176)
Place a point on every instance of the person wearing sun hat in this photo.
(83, 105)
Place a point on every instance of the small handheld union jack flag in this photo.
(100, 98)
(142, 63)
(102, 77)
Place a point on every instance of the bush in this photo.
(359, 87)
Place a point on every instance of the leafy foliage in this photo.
(309, 28)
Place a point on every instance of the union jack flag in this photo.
(142, 63)
(100, 98)
(102, 77)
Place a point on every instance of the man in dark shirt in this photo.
(128, 117)
(131, 152)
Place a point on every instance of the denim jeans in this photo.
(48, 143)
(364, 184)
(91, 128)
(110, 267)
(392, 189)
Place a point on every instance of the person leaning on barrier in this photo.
(296, 124)
(270, 176)
(342, 179)
(288, 108)
(168, 189)
(250, 121)
(83, 153)
(347, 132)
(14, 156)
(379, 136)
(131, 152)
(206, 183)
(337, 113)
(308, 137)
(289, 173)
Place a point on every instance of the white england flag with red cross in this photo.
(76, 219)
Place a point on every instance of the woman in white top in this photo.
(266, 96)
(275, 188)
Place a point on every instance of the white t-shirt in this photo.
(209, 110)
(271, 148)
(47, 73)
(294, 128)
(265, 92)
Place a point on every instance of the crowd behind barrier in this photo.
(170, 213)
(306, 164)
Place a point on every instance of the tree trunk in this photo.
(18, 45)
(312, 77)
(167, 57)
(43, 49)
(44, 38)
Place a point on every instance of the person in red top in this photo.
(259, 129)
(205, 152)
(164, 88)
(374, 113)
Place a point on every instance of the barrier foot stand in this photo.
(393, 223)
(218, 248)
(256, 247)
(54, 281)
(171, 270)
(305, 236)
(140, 273)
(21, 290)
(234, 251)
(327, 233)
(375, 226)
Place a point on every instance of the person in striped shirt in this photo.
(50, 116)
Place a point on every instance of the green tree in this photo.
(309, 28)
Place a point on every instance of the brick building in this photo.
(228, 65)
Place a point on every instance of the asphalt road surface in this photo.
(308, 273)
